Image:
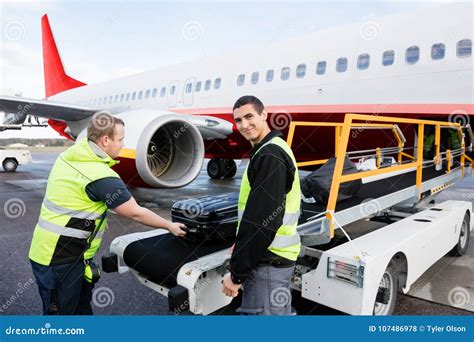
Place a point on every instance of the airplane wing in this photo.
(20, 107)
(17, 108)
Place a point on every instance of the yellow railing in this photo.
(342, 134)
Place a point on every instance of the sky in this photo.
(102, 40)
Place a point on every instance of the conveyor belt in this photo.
(160, 257)
(373, 189)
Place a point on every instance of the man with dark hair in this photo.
(81, 188)
(267, 242)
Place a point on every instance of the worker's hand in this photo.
(229, 288)
(176, 229)
(231, 249)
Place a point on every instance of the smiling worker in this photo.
(267, 243)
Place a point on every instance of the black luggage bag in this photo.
(208, 218)
(318, 183)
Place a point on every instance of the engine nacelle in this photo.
(169, 148)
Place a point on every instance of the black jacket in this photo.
(271, 173)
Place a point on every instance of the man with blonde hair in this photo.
(81, 188)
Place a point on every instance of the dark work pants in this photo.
(72, 296)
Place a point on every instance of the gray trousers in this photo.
(267, 291)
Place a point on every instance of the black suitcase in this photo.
(208, 218)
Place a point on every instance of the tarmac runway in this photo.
(23, 191)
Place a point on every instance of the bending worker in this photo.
(81, 188)
(267, 242)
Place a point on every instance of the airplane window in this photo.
(100, 101)
(134, 95)
(111, 98)
(437, 51)
(269, 76)
(140, 94)
(189, 88)
(363, 61)
(122, 97)
(116, 98)
(254, 78)
(163, 92)
(285, 73)
(300, 71)
(388, 57)
(240, 79)
(147, 93)
(95, 101)
(341, 64)
(154, 92)
(217, 83)
(412, 54)
(321, 68)
(198, 86)
(172, 90)
(464, 48)
(127, 98)
(207, 85)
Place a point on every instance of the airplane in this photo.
(416, 65)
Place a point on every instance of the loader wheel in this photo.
(387, 292)
(464, 236)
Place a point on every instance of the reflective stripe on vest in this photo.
(286, 242)
(64, 231)
(65, 211)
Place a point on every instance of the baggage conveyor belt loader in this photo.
(349, 260)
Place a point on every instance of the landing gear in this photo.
(221, 168)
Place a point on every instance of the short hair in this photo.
(103, 123)
(249, 99)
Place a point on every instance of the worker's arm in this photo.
(114, 193)
(132, 210)
(271, 177)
